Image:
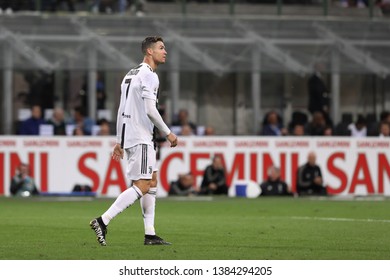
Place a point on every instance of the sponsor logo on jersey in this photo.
(126, 116)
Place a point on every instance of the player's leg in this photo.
(136, 159)
(148, 206)
(124, 200)
(140, 183)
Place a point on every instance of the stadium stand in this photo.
(288, 40)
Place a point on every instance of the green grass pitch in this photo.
(218, 229)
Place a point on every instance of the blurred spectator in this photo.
(298, 130)
(318, 91)
(104, 127)
(299, 118)
(41, 89)
(138, 7)
(328, 131)
(6, 7)
(95, 8)
(82, 121)
(317, 125)
(384, 129)
(358, 128)
(58, 121)
(353, 3)
(274, 185)
(182, 119)
(22, 184)
(78, 131)
(184, 186)
(385, 116)
(82, 188)
(384, 5)
(31, 125)
(309, 178)
(372, 124)
(209, 130)
(26, 5)
(272, 126)
(341, 129)
(186, 130)
(214, 178)
(100, 94)
(109, 6)
(53, 5)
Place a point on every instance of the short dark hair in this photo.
(81, 110)
(149, 41)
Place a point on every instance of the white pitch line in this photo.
(332, 219)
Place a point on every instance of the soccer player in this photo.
(137, 116)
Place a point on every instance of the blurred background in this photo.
(230, 63)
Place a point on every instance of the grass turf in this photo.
(220, 229)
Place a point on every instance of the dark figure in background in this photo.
(183, 186)
(41, 89)
(272, 125)
(183, 119)
(82, 188)
(384, 116)
(274, 185)
(298, 130)
(209, 131)
(7, 6)
(52, 5)
(214, 178)
(77, 131)
(318, 92)
(31, 125)
(358, 128)
(83, 121)
(22, 184)
(104, 127)
(186, 130)
(100, 94)
(58, 121)
(309, 178)
(317, 125)
(384, 129)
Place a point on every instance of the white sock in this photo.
(148, 205)
(124, 200)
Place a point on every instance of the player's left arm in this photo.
(156, 119)
(149, 95)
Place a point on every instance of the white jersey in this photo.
(133, 125)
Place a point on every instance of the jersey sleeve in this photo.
(155, 117)
(149, 86)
